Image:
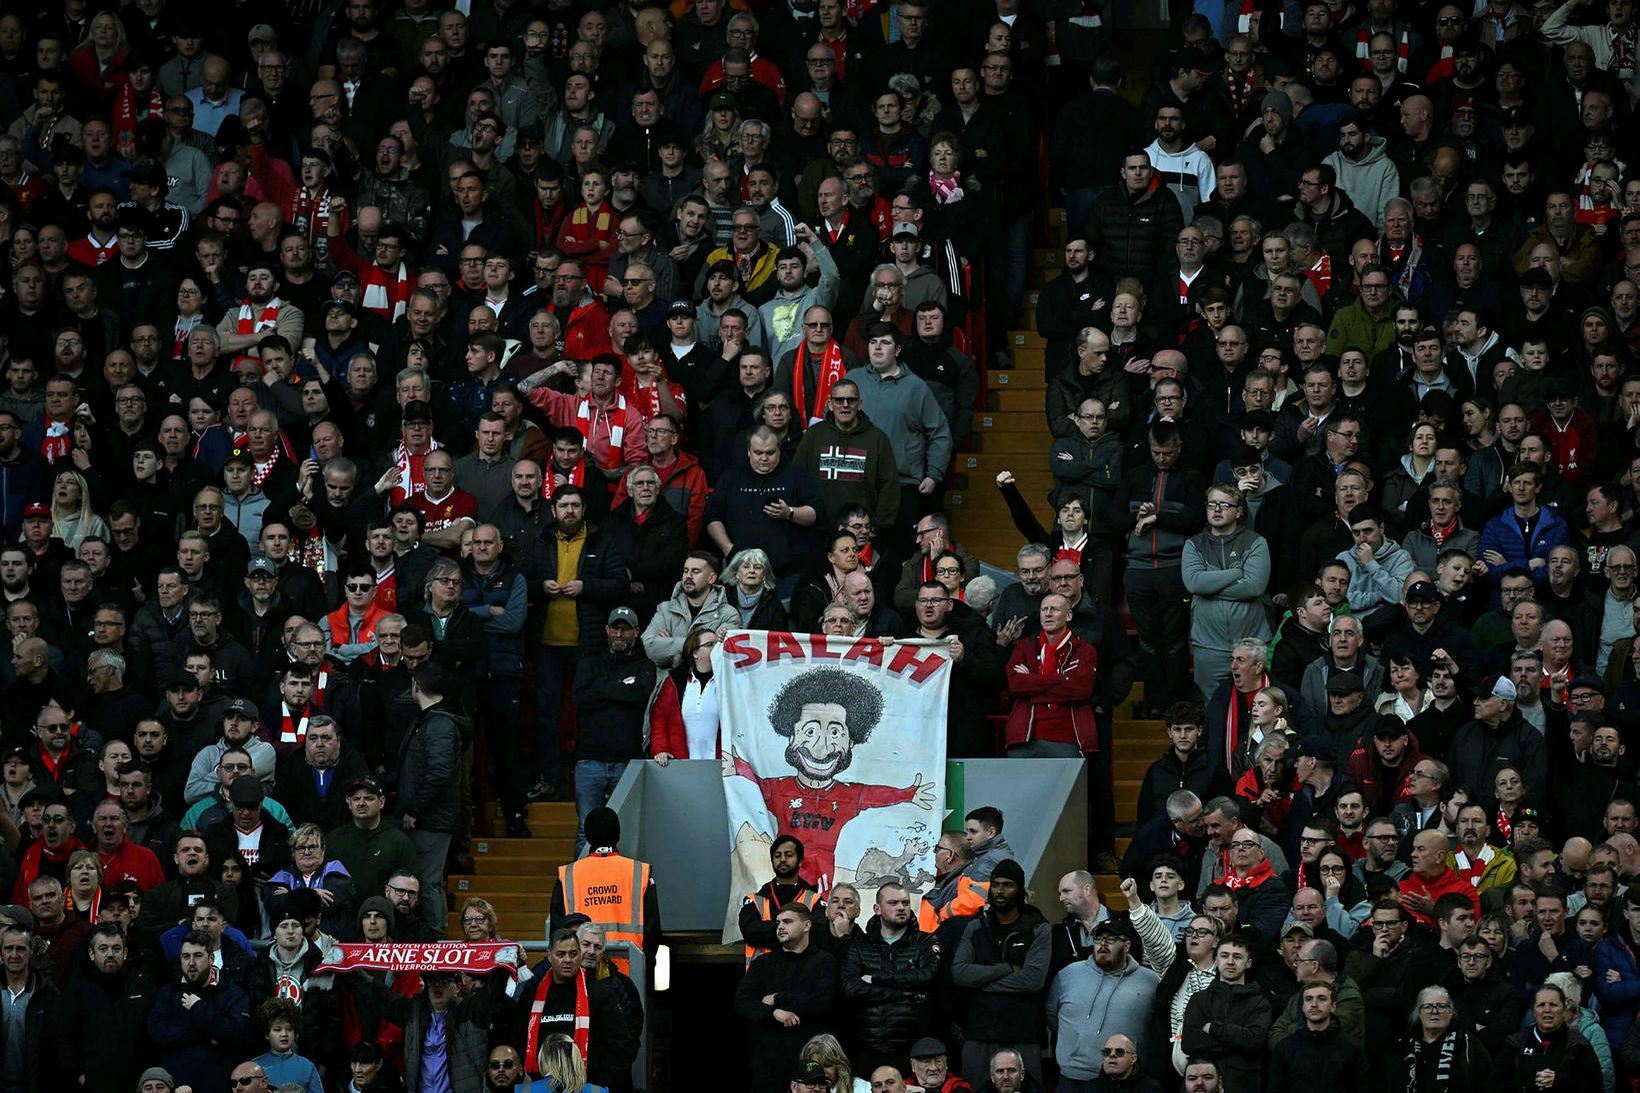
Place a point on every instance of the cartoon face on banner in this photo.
(839, 743)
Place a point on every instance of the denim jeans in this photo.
(595, 780)
(554, 671)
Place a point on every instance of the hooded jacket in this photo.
(1086, 1004)
(1377, 583)
(675, 620)
(1368, 182)
(1179, 497)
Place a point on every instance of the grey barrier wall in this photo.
(674, 818)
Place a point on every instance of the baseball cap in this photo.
(182, 681)
(1257, 419)
(366, 783)
(344, 276)
(1300, 926)
(242, 707)
(1345, 683)
(722, 100)
(1516, 116)
(339, 305)
(624, 614)
(809, 1072)
(1389, 727)
(37, 508)
(1423, 592)
(418, 410)
(905, 229)
(246, 791)
(238, 454)
(1536, 277)
(261, 32)
(1313, 747)
(261, 564)
(680, 307)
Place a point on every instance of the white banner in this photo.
(839, 742)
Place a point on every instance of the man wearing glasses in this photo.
(1125, 991)
(1488, 1002)
(1368, 323)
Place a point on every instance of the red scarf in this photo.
(586, 418)
(411, 481)
(260, 471)
(310, 215)
(831, 370)
(1262, 872)
(1232, 721)
(577, 477)
(583, 1018)
(386, 294)
(126, 114)
(291, 730)
(1072, 553)
(254, 322)
(1440, 534)
(1047, 655)
(1506, 827)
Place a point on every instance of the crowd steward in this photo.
(398, 402)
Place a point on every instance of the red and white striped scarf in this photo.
(586, 419)
(291, 730)
(386, 294)
(583, 1018)
(411, 481)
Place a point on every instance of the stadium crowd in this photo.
(399, 402)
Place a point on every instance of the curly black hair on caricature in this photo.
(863, 702)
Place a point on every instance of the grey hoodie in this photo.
(1086, 1005)
(1371, 182)
(986, 856)
(785, 313)
(903, 407)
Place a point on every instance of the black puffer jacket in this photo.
(1328, 1059)
(105, 1024)
(1131, 235)
(1237, 1019)
(891, 1012)
(429, 784)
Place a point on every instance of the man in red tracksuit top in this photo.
(1050, 678)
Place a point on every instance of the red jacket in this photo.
(1056, 705)
(666, 731)
(1382, 791)
(1448, 881)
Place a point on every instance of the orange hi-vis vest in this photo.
(969, 900)
(767, 909)
(609, 889)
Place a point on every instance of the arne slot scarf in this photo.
(583, 1018)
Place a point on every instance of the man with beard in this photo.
(1002, 959)
(261, 313)
(785, 998)
(786, 887)
(200, 1023)
(1078, 298)
(105, 1011)
(612, 690)
(100, 243)
(824, 714)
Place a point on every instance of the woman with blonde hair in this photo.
(72, 518)
(561, 1067)
(1268, 714)
(828, 1052)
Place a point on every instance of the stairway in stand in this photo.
(517, 876)
(1011, 434)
